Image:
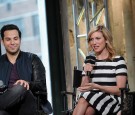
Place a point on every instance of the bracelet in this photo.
(88, 73)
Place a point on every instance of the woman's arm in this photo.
(85, 80)
(86, 68)
(121, 83)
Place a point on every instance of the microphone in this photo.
(1, 83)
(3, 87)
(90, 59)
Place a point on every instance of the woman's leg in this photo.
(119, 113)
(81, 107)
(90, 111)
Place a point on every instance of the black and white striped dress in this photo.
(104, 73)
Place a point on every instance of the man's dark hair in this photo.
(9, 27)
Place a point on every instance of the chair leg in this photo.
(41, 113)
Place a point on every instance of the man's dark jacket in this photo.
(29, 68)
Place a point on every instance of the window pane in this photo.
(23, 13)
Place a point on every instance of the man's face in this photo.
(11, 41)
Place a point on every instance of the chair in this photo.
(127, 102)
(77, 77)
(43, 108)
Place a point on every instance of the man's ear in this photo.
(1, 41)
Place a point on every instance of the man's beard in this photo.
(13, 53)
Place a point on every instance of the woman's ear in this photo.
(106, 42)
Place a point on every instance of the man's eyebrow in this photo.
(6, 37)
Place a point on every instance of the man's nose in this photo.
(12, 41)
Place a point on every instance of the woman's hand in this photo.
(87, 87)
(88, 67)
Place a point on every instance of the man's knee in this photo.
(12, 96)
(18, 89)
(4, 112)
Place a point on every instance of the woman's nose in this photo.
(94, 41)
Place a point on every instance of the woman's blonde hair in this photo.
(108, 37)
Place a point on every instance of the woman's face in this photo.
(97, 42)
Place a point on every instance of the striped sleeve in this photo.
(121, 68)
(89, 59)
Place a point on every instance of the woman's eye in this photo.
(90, 39)
(98, 38)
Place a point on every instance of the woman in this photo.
(100, 92)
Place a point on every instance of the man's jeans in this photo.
(18, 99)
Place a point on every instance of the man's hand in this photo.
(22, 82)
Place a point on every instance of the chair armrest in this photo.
(40, 93)
(67, 92)
(124, 89)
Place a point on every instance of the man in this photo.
(22, 72)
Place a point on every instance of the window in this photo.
(18, 22)
(35, 23)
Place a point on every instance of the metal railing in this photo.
(88, 7)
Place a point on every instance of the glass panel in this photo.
(18, 22)
(25, 16)
(35, 25)
(11, 1)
